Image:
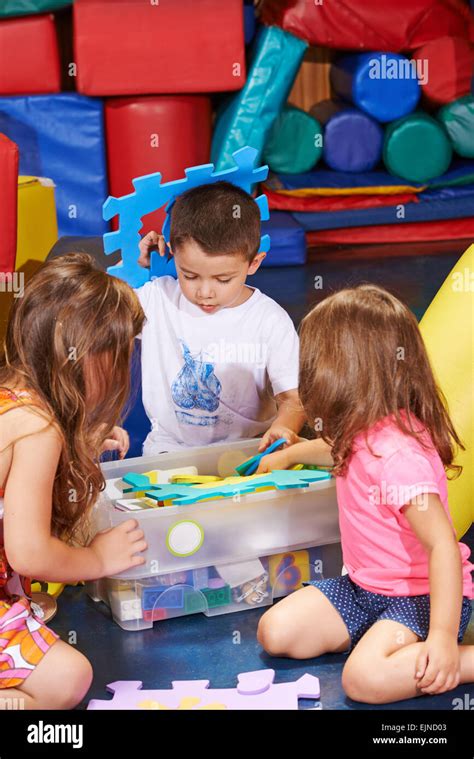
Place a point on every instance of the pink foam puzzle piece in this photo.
(256, 690)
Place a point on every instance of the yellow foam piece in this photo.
(288, 575)
(448, 331)
(184, 479)
(37, 228)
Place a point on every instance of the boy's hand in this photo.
(116, 548)
(152, 241)
(437, 667)
(277, 460)
(275, 432)
(119, 441)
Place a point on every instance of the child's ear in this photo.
(256, 262)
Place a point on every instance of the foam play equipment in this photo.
(353, 140)
(384, 85)
(288, 240)
(169, 132)
(8, 203)
(280, 202)
(62, 137)
(27, 7)
(158, 48)
(458, 120)
(389, 25)
(37, 224)
(445, 203)
(416, 148)
(294, 143)
(29, 56)
(448, 63)
(421, 231)
(151, 194)
(448, 331)
(247, 117)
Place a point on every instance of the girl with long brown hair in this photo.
(403, 606)
(64, 380)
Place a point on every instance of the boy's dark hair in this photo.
(221, 217)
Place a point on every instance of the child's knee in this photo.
(273, 634)
(67, 691)
(364, 682)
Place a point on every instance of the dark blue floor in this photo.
(197, 647)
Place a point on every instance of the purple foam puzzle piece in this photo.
(256, 690)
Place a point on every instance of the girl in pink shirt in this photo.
(403, 607)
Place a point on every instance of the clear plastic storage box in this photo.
(221, 555)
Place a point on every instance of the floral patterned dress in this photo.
(24, 639)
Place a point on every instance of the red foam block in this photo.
(29, 56)
(390, 25)
(8, 203)
(170, 46)
(279, 202)
(150, 134)
(448, 64)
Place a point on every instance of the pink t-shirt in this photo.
(380, 550)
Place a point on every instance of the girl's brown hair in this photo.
(73, 330)
(362, 358)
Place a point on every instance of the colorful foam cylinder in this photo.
(29, 56)
(37, 224)
(8, 203)
(144, 135)
(448, 63)
(390, 25)
(384, 85)
(294, 143)
(165, 47)
(353, 141)
(27, 7)
(416, 148)
(247, 117)
(62, 137)
(458, 120)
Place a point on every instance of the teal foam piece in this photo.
(247, 117)
(184, 495)
(150, 194)
(251, 465)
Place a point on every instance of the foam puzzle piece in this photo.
(251, 465)
(255, 690)
(183, 495)
(150, 194)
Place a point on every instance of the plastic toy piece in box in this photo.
(255, 690)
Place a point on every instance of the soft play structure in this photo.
(448, 331)
(8, 203)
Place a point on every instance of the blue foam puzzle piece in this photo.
(137, 481)
(150, 194)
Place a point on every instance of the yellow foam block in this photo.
(37, 225)
(448, 331)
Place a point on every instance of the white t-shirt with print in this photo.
(212, 377)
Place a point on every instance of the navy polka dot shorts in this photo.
(360, 608)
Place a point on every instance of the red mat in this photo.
(174, 46)
(452, 229)
(8, 203)
(29, 56)
(279, 202)
(149, 134)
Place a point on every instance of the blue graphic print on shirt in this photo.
(196, 387)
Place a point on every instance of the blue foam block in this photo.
(288, 240)
(62, 137)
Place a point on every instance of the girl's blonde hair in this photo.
(74, 328)
(362, 358)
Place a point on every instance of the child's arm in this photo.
(314, 452)
(289, 420)
(437, 665)
(31, 549)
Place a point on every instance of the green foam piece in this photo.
(416, 148)
(25, 7)
(458, 120)
(294, 144)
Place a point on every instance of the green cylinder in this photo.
(458, 120)
(416, 148)
(295, 143)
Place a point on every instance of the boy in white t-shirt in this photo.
(219, 358)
